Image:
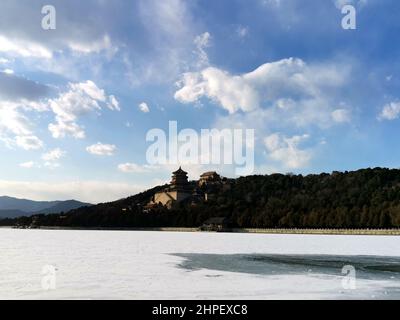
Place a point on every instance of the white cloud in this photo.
(101, 149)
(30, 44)
(61, 129)
(275, 97)
(29, 142)
(4, 61)
(242, 31)
(144, 107)
(8, 71)
(51, 158)
(15, 128)
(202, 42)
(96, 46)
(290, 79)
(54, 155)
(341, 116)
(134, 168)
(12, 120)
(82, 98)
(91, 89)
(27, 165)
(391, 111)
(231, 92)
(113, 103)
(23, 48)
(286, 151)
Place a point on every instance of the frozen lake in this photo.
(41, 264)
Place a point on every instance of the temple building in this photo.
(181, 190)
(178, 190)
(209, 178)
(179, 180)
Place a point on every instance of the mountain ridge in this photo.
(11, 207)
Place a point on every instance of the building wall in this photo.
(180, 196)
(165, 197)
(162, 198)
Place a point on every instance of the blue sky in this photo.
(76, 102)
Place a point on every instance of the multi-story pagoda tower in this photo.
(179, 180)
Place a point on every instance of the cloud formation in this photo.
(29, 142)
(288, 95)
(390, 111)
(287, 151)
(341, 116)
(18, 96)
(134, 168)
(81, 99)
(100, 149)
(16, 128)
(202, 42)
(51, 158)
(24, 48)
(27, 165)
(54, 155)
(144, 107)
(242, 31)
(288, 79)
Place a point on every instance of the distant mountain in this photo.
(9, 203)
(63, 206)
(12, 214)
(13, 207)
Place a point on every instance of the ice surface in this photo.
(164, 265)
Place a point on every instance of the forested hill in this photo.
(368, 198)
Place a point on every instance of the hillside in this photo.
(63, 206)
(368, 198)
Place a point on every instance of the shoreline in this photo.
(348, 232)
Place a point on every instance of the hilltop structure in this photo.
(180, 181)
(210, 177)
(180, 190)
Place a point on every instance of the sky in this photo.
(77, 101)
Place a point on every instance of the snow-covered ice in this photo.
(165, 265)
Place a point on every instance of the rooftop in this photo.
(209, 173)
(179, 171)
